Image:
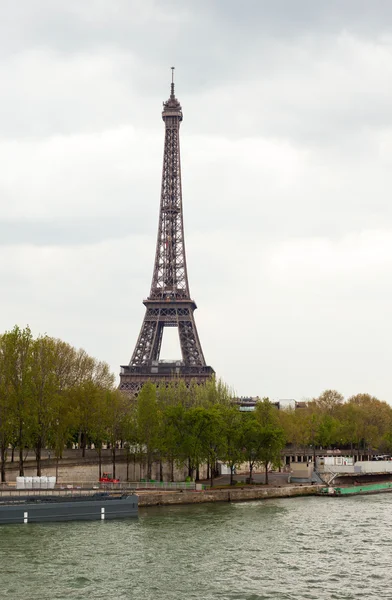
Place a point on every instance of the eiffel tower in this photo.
(169, 303)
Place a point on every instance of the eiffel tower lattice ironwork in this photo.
(169, 303)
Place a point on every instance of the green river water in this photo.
(282, 549)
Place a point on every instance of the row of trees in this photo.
(362, 423)
(202, 425)
(53, 395)
(46, 390)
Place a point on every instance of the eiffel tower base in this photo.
(132, 378)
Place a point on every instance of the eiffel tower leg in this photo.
(144, 343)
(157, 342)
(192, 353)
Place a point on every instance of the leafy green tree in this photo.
(197, 427)
(83, 399)
(252, 442)
(174, 435)
(329, 401)
(272, 443)
(232, 453)
(129, 432)
(7, 416)
(62, 427)
(17, 356)
(99, 424)
(147, 419)
(271, 434)
(43, 393)
(212, 436)
(116, 405)
(371, 419)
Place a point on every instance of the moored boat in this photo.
(42, 509)
(371, 488)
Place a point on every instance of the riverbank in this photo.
(161, 498)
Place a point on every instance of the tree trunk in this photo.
(12, 454)
(212, 477)
(160, 470)
(38, 452)
(231, 474)
(114, 460)
(3, 459)
(57, 468)
(172, 469)
(208, 470)
(149, 467)
(266, 473)
(83, 444)
(250, 471)
(128, 461)
(198, 473)
(100, 462)
(21, 465)
(190, 468)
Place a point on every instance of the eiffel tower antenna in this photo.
(172, 83)
(169, 303)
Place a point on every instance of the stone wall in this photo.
(232, 495)
(82, 472)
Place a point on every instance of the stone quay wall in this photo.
(227, 495)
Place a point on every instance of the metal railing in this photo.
(94, 487)
(15, 495)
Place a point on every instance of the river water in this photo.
(282, 549)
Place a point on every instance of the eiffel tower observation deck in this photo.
(169, 303)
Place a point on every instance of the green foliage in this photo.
(232, 450)
(52, 394)
(148, 422)
(47, 391)
(362, 422)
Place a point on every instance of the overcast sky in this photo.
(286, 159)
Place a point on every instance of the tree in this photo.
(232, 453)
(329, 401)
(147, 420)
(17, 364)
(212, 436)
(7, 417)
(368, 418)
(252, 442)
(197, 437)
(99, 424)
(174, 439)
(83, 399)
(130, 432)
(63, 424)
(271, 434)
(116, 413)
(44, 388)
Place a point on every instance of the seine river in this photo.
(281, 549)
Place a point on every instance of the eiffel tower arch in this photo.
(169, 303)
